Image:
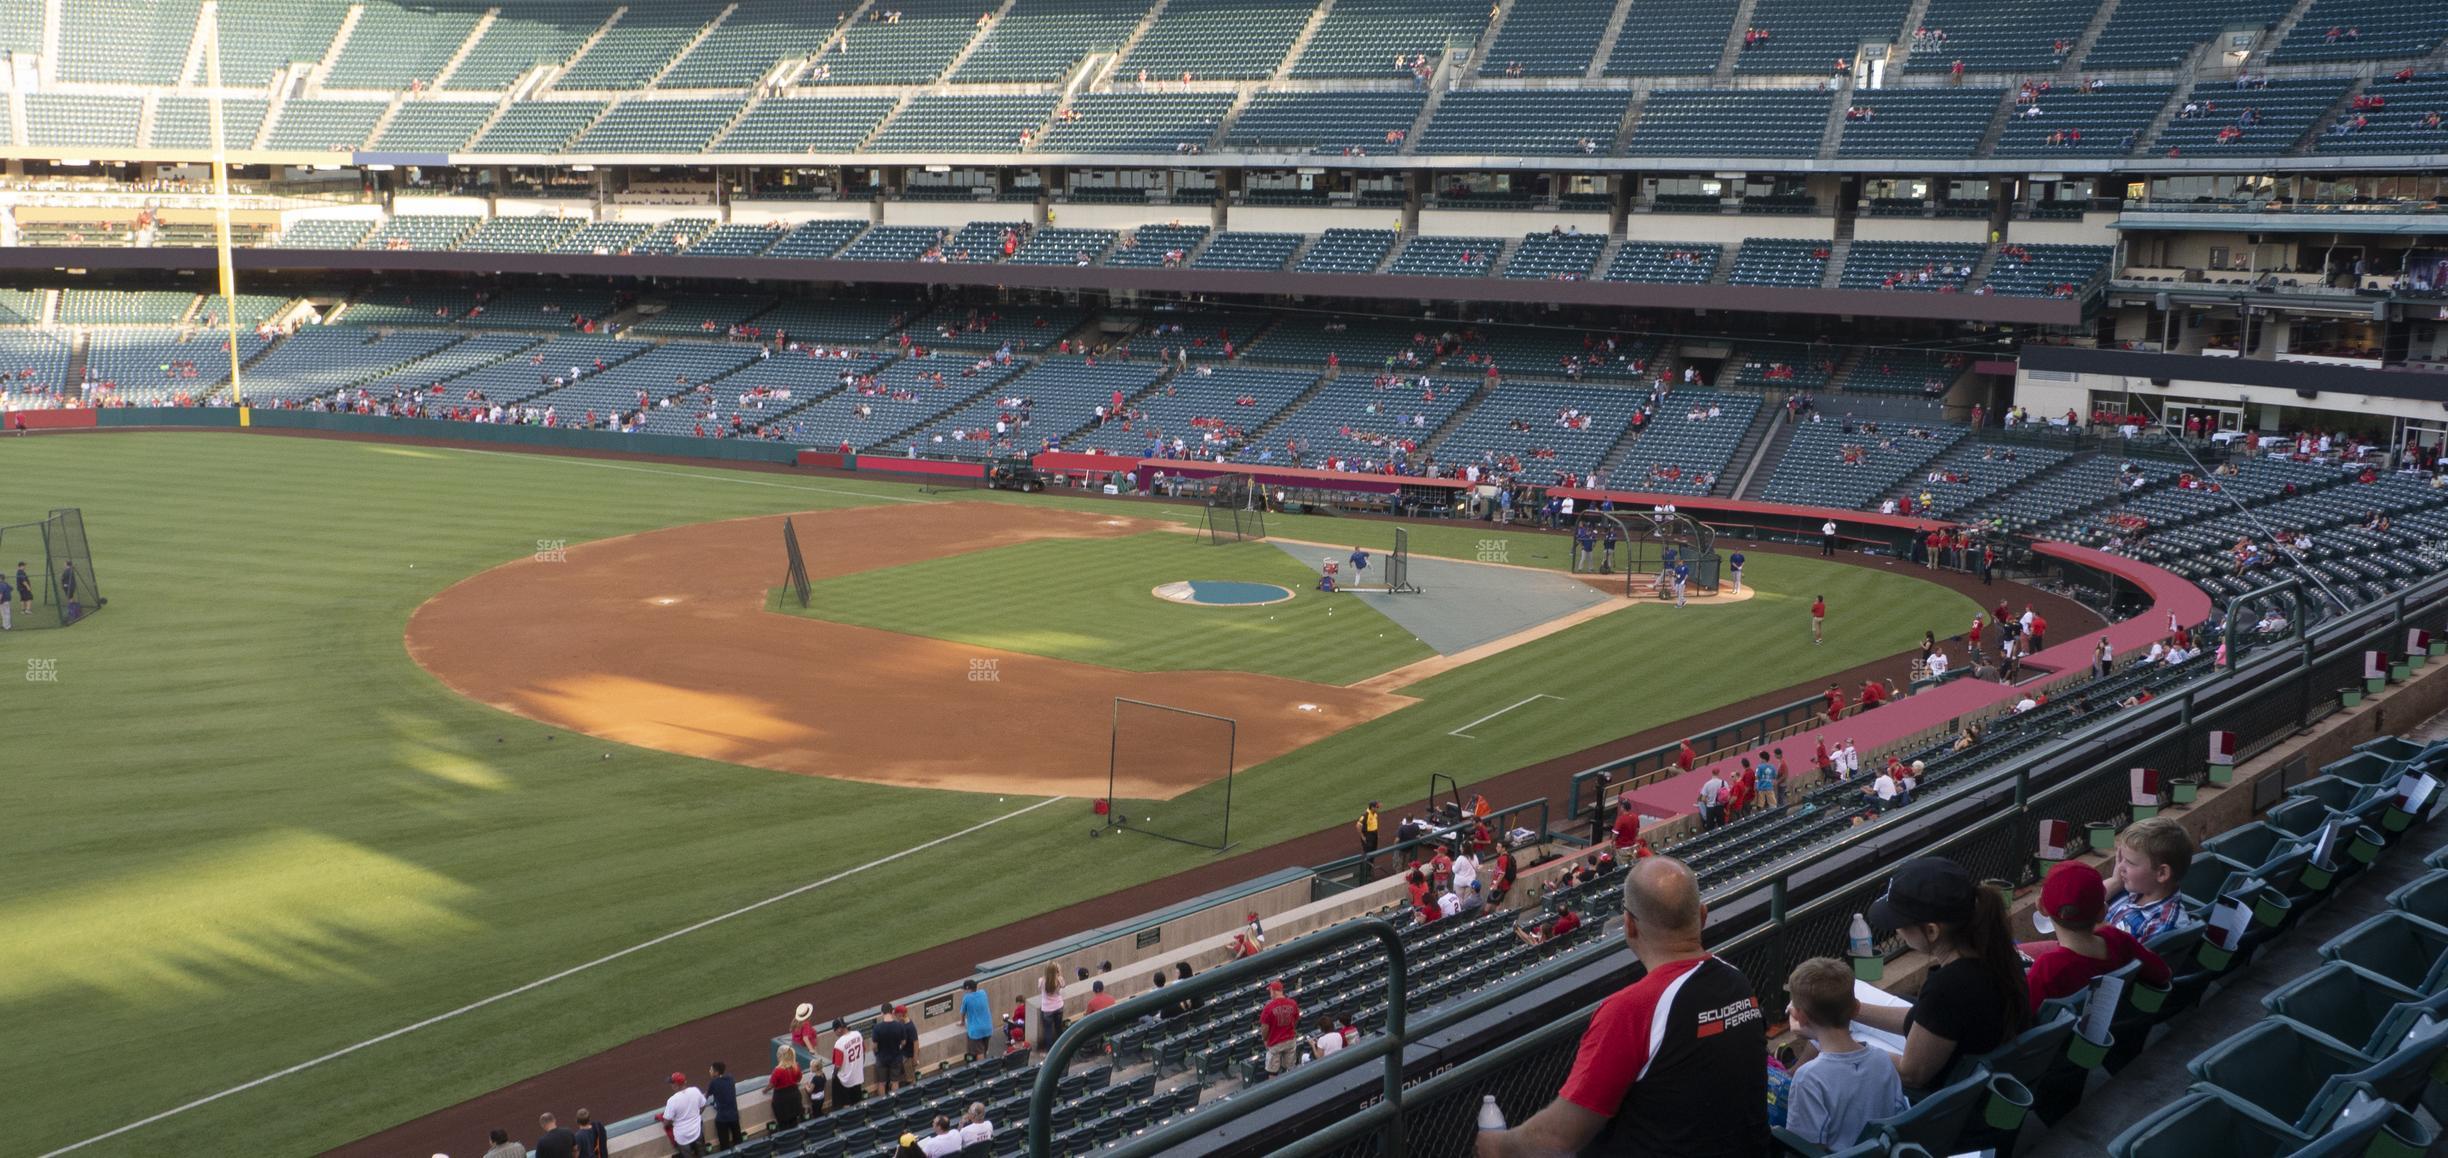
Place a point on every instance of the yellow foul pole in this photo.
(221, 198)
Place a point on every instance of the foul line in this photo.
(540, 982)
(1498, 712)
(753, 482)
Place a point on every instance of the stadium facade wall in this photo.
(1092, 215)
(1497, 222)
(1953, 229)
(790, 212)
(2093, 229)
(2051, 378)
(442, 206)
(1309, 219)
(1707, 229)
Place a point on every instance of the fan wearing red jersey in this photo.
(1672, 1065)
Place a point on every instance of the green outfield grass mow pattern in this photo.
(247, 831)
(1089, 600)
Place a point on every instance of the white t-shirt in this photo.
(1938, 663)
(973, 1133)
(937, 1145)
(1828, 528)
(1448, 905)
(1329, 1042)
(685, 1110)
(1465, 871)
(1886, 787)
(850, 1058)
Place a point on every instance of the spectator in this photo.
(723, 1093)
(1712, 801)
(554, 1141)
(782, 1089)
(896, 1047)
(2151, 857)
(849, 1065)
(1097, 997)
(1847, 1083)
(942, 1140)
(1279, 1028)
(1974, 997)
(2072, 903)
(1646, 1080)
(1328, 1039)
(1539, 934)
(977, 1020)
(974, 1128)
(503, 1147)
(803, 1030)
(683, 1117)
(1049, 1008)
(593, 1142)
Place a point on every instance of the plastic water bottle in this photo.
(1490, 1116)
(1857, 939)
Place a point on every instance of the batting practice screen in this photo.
(797, 576)
(1171, 774)
(58, 587)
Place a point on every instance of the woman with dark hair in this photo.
(1974, 998)
(1183, 972)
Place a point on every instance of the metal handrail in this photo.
(1386, 1047)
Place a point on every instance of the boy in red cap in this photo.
(2072, 903)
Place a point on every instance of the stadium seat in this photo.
(2302, 1078)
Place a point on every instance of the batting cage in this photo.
(796, 576)
(1171, 774)
(50, 571)
(1233, 525)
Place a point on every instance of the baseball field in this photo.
(394, 774)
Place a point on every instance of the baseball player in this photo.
(1359, 565)
(1818, 618)
(1737, 561)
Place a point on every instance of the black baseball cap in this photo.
(1930, 889)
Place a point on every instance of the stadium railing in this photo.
(1360, 868)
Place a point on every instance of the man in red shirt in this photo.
(1627, 823)
(1279, 1027)
(1835, 702)
(1873, 693)
(1685, 756)
(1669, 1066)
(1818, 618)
(2039, 631)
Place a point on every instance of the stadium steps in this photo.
(1606, 45)
(382, 124)
(1487, 36)
(2148, 138)
(1258, 437)
(1831, 131)
(1981, 268)
(1732, 52)
(737, 115)
(1998, 118)
(1453, 422)
(1727, 256)
(146, 107)
(17, 115)
(449, 67)
(1755, 480)
(558, 69)
(1419, 124)
(2082, 47)
(1130, 43)
(323, 67)
(2279, 31)
(278, 103)
(191, 71)
(900, 105)
(719, 19)
(1837, 252)
(2329, 116)
(953, 407)
(76, 356)
(1300, 43)
(977, 36)
(1614, 455)
(1751, 449)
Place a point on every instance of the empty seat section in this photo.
(2266, 119)
(835, 321)
(1730, 122)
(737, 240)
(519, 234)
(673, 236)
(816, 239)
(125, 41)
(537, 126)
(1686, 443)
(1135, 122)
(1998, 35)
(1361, 38)
(261, 37)
(324, 233)
(1922, 266)
(394, 44)
(1064, 247)
(664, 371)
(1648, 261)
(422, 380)
(1829, 465)
(759, 400)
(1025, 329)
(430, 126)
(1809, 36)
(2107, 121)
(155, 365)
(523, 36)
(79, 121)
(758, 35)
(603, 237)
(1362, 423)
(2040, 271)
(21, 26)
(1035, 409)
(1448, 257)
(894, 243)
(1038, 41)
(324, 124)
(1974, 471)
(1906, 371)
(423, 232)
(1779, 261)
(317, 361)
(186, 122)
(1210, 411)
(1556, 256)
(1557, 352)
(648, 126)
(1916, 122)
(1218, 39)
(812, 125)
(1672, 38)
(390, 306)
(1540, 432)
(637, 46)
(1547, 122)
(2400, 125)
(1325, 122)
(534, 370)
(2364, 30)
(938, 122)
(1248, 250)
(1548, 38)
(2161, 33)
(1151, 246)
(80, 307)
(913, 47)
(983, 241)
(1347, 251)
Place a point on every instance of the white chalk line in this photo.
(729, 478)
(540, 982)
(1498, 712)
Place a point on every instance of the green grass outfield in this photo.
(1089, 600)
(245, 831)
